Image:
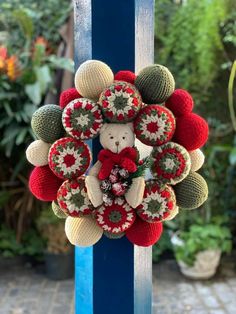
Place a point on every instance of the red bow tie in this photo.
(125, 159)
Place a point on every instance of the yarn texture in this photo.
(154, 125)
(82, 119)
(43, 184)
(58, 211)
(155, 83)
(46, 123)
(120, 102)
(37, 153)
(143, 233)
(171, 163)
(197, 159)
(191, 131)
(126, 76)
(92, 77)
(69, 158)
(180, 102)
(82, 231)
(192, 192)
(73, 199)
(67, 96)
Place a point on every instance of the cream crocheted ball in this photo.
(92, 77)
(197, 159)
(82, 231)
(37, 153)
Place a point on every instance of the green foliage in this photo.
(190, 42)
(31, 244)
(202, 237)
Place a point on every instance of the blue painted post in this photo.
(114, 276)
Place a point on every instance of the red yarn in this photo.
(126, 159)
(43, 184)
(143, 233)
(67, 96)
(191, 131)
(180, 102)
(126, 76)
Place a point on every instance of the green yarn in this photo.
(155, 83)
(47, 123)
(58, 211)
(114, 235)
(192, 192)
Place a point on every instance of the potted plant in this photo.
(198, 250)
(13, 252)
(59, 253)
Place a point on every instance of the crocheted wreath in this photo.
(112, 198)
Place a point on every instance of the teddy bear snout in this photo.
(117, 143)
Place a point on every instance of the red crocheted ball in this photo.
(143, 233)
(43, 184)
(191, 131)
(67, 96)
(127, 76)
(180, 102)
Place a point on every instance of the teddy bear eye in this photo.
(111, 137)
(123, 137)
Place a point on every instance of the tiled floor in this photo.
(24, 291)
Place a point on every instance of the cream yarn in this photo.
(37, 153)
(173, 213)
(82, 231)
(197, 159)
(92, 77)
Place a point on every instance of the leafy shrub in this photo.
(202, 237)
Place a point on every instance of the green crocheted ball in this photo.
(58, 211)
(47, 123)
(155, 83)
(192, 192)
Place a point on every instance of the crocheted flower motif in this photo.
(155, 125)
(120, 102)
(116, 217)
(72, 198)
(171, 163)
(82, 119)
(69, 158)
(158, 201)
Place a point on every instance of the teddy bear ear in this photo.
(103, 128)
(131, 126)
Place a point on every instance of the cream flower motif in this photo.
(169, 163)
(161, 123)
(156, 197)
(75, 166)
(82, 120)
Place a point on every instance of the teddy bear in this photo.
(115, 139)
(145, 126)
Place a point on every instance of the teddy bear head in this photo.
(117, 136)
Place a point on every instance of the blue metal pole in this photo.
(114, 276)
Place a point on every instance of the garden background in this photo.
(195, 39)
